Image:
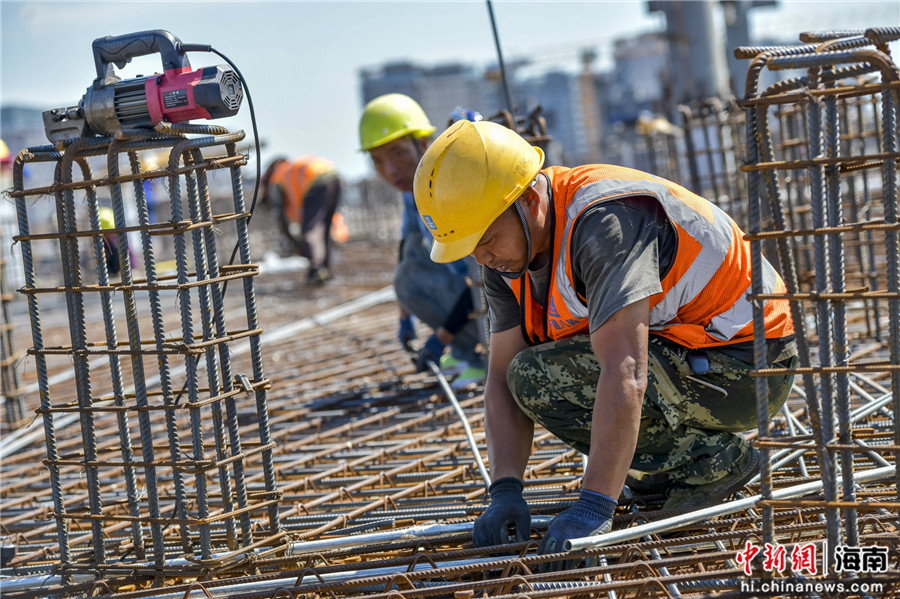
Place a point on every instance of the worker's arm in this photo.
(509, 435)
(509, 431)
(620, 346)
(445, 333)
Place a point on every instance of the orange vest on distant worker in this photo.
(703, 302)
(295, 177)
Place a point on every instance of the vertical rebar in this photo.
(68, 242)
(109, 325)
(218, 305)
(824, 325)
(839, 343)
(889, 189)
(46, 153)
(262, 413)
(194, 191)
(180, 512)
(187, 332)
(137, 360)
(759, 327)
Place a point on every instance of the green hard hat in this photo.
(391, 117)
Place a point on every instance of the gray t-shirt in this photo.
(621, 250)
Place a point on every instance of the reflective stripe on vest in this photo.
(703, 302)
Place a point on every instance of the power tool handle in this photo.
(120, 49)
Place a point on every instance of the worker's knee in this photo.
(542, 376)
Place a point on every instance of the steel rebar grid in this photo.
(94, 457)
(825, 166)
(342, 475)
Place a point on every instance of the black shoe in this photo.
(318, 276)
(695, 497)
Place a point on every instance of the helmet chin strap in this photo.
(509, 275)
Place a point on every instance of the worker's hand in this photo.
(407, 330)
(592, 514)
(431, 351)
(506, 517)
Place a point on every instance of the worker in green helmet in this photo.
(395, 131)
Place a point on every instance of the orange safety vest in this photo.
(703, 302)
(295, 178)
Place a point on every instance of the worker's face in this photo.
(396, 161)
(503, 246)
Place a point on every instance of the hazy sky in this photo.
(302, 59)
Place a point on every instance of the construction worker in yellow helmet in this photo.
(619, 321)
(395, 131)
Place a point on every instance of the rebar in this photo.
(190, 510)
(825, 94)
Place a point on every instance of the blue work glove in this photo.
(591, 514)
(432, 351)
(507, 511)
(407, 330)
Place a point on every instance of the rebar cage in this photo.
(187, 419)
(822, 154)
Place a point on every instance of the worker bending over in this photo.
(395, 131)
(619, 322)
(305, 193)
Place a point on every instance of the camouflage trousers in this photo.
(689, 422)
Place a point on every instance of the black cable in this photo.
(256, 146)
(204, 48)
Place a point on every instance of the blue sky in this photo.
(302, 59)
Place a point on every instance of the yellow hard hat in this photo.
(107, 218)
(468, 176)
(5, 155)
(390, 117)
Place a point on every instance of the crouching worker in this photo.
(619, 322)
(305, 194)
(395, 131)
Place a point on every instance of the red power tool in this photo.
(179, 94)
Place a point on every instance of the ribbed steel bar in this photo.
(156, 315)
(262, 414)
(889, 188)
(196, 187)
(759, 332)
(45, 153)
(65, 212)
(190, 361)
(137, 363)
(824, 326)
(218, 315)
(115, 367)
(839, 342)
